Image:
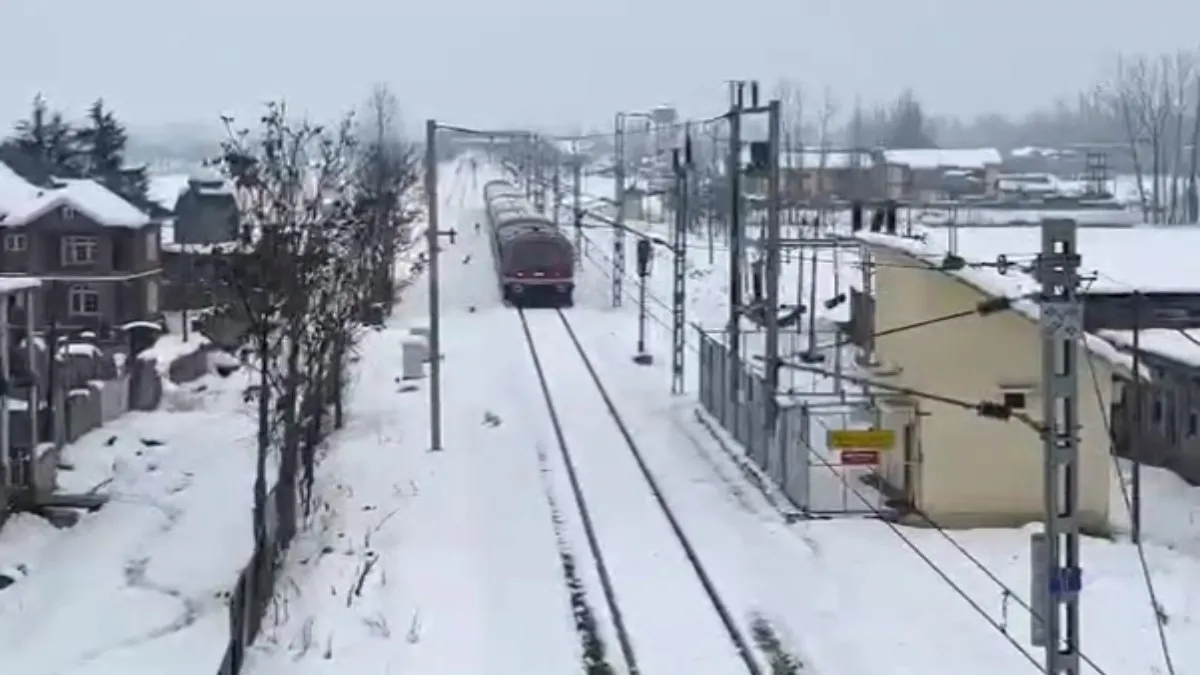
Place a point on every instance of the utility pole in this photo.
(679, 244)
(734, 327)
(557, 188)
(1139, 421)
(1057, 575)
(773, 260)
(433, 236)
(577, 198)
(618, 235)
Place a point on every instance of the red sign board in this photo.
(860, 457)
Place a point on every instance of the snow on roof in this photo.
(1145, 258)
(100, 204)
(1027, 218)
(14, 284)
(22, 202)
(977, 158)
(813, 158)
(165, 190)
(1015, 284)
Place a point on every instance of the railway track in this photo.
(667, 616)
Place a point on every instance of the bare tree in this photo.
(298, 284)
(1153, 97)
(791, 99)
(385, 174)
(825, 118)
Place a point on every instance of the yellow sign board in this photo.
(861, 439)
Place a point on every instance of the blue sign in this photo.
(1066, 580)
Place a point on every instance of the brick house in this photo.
(97, 255)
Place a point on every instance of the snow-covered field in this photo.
(457, 561)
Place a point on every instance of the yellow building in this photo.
(961, 469)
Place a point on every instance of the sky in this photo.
(559, 63)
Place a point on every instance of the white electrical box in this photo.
(414, 355)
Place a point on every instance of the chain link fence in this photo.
(795, 458)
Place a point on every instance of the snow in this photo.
(983, 245)
(21, 203)
(822, 583)
(170, 347)
(82, 349)
(467, 577)
(451, 562)
(816, 158)
(921, 159)
(139, 586)
(671, 621)
(165, 189)
(15, 284)
(973, 216)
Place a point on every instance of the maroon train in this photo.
(535, 262)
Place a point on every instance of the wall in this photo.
(976, 471)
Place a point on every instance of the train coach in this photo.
(535, 262)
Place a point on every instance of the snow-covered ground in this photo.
(458, 561)
(143, 581)
(905, 589)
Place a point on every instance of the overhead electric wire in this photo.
(1143, 563)
(928, 520)
(895, 529)
(987, 409)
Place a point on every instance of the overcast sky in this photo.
(555, 62)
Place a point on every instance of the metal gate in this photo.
(794, 458)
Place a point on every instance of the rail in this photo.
(620, 625)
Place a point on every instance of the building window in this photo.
(1193, 424)
(15, 242)
(152, 296)
(152, 247)
(1156, 410)
(84, 301)
(79, 250)
(16, 301)
(68, 213)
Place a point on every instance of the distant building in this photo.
(806, 175)
(206, 212)
(931, 175)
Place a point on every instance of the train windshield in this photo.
(539, 256)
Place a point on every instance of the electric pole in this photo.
(679, 269)
(1057, 576)
(433, 236)
(557, 187)
(618, 248)
(773, 270)
(577, 198)
(734, 327)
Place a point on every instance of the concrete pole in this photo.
(773, 262)
(618, 235)
(435, 332)
(1057, 574)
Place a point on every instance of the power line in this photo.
(1155, 606)
(942, 574)
(928, 520)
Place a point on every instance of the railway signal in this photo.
(645, 258)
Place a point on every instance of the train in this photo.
(534, 260)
